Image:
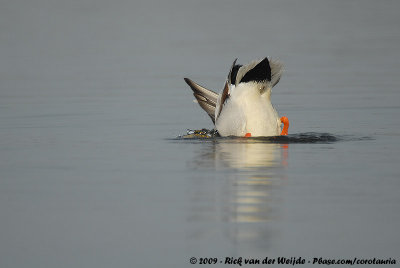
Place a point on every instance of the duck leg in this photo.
(285, 122)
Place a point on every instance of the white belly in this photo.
(247, 111)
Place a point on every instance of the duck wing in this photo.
(206, 98)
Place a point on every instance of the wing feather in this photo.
(206, 98)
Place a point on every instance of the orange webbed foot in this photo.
(285, 122)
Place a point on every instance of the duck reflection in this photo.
(259, 166)
(248, 154)
(238, 187)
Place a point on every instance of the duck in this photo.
(243, 108)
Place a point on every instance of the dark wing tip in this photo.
(234, 72)
(191, 84)
(230, 72)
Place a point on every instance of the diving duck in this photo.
(243, 108)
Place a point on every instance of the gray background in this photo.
(92, 96)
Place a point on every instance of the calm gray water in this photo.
(92, 98)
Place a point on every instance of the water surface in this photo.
(92, 99)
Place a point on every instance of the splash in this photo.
(200, 134)
(307, 137)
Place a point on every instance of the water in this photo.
(92, 99)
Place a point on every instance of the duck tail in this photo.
(276, 71)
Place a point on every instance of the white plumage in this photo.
(248, 110)
(244, 106)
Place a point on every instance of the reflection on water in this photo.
(248, 155)
(239, 189)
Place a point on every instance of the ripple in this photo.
(307, 137)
